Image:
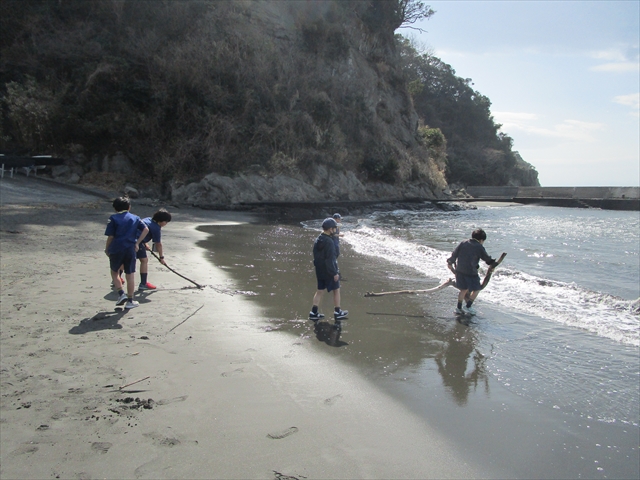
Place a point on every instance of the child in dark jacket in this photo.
(327, 275)
(464, 263)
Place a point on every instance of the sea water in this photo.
(543, 382)
(578, 267)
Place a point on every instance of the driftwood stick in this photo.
(181, 276)
(490, 270)
(186, 319)
(429, 290)
(132, 383)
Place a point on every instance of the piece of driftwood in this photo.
(132, 383)
(181, 276)
(447, 283)
(429, 290)
(490, 270)
(186, 319)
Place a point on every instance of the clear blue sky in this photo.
(562, 76)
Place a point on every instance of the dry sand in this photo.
(223, 399)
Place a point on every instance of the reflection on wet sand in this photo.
(329, 333)
(453, 363)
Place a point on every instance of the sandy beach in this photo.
(221, 398)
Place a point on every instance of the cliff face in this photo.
(213, 102)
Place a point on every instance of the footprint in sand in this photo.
(167, 401)
(282, 434)
(332, 400)
(232, 372)
(161, 440)
(240, 360)
(101, 447)
(28, 448)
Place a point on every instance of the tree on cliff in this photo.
(478, 153)
(193, 87)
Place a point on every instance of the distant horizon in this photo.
(563, 78)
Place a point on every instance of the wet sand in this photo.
(412, 348)
(221, 394)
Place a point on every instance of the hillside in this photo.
(215, 102)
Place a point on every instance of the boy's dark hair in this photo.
(479, 234)
(121, 203)
(161, 215)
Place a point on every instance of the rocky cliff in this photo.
(211, 102)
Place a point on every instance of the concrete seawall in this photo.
(611, 198)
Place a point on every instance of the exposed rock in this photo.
(60, 171)
(131, 192)
(119, 163)
(325, 185)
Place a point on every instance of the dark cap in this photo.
(337, 215)
(329, 223)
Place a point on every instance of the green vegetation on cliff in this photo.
(477, 153)
(192, 87)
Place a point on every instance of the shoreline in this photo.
(227, 399)
(243, 385)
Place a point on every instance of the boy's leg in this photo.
(336, 298)
(338, 313)
(317, 298)
(144, 265)
(130, 284)
(470, 298)
(144, 270)
(115, 278)
(461, 295)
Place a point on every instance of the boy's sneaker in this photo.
(459, 311)
(146, 286)
(340, 315)
(131, 304)
(469, 310)
(315, 316)
(122, 299)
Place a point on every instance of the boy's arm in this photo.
(106, 247)
(487, 258)
(452, 259)
(141, 237)
(160, 252)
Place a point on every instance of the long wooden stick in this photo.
(490, 270)
(451, 281)
(186, 319)
(181, 276)
(429, 290)
(132, 383)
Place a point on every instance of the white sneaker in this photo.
(458, 311)
(131, 304)
(122, 299)
(470, 310)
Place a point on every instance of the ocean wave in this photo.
(566, 303)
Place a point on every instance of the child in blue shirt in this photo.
(124, 233)
(154, 224)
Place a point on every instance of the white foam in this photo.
(565, 303)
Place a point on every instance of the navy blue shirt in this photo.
(155, 233)
(324, 257)
(467, 256)
(125, 228)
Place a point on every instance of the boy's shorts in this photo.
(142, 251)
(468, 282)
(126, 258)
(328, 284)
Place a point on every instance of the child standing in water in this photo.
(464, 263)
